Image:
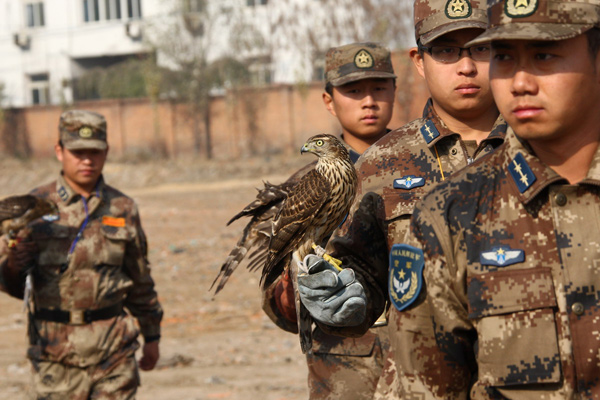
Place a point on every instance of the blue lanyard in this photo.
(85, 222)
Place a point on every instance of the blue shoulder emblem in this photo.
(521, 173)
(502, 256)
(406, 275)
(408, 182)
(429, 131)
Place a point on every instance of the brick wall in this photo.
(243, 122)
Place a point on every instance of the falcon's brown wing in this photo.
(15, 206)
(257, 232)
(296, 216)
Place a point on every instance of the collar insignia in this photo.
(62, 193)
(458, 9)
(405, 275)
(521, 173)
(520, 8)
(85, 132)
(408, 182)
(502, 256)
(363, 59)
(51, 217)
(429, 131)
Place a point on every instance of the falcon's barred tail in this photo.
(257, 232)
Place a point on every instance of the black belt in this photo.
(78, 317)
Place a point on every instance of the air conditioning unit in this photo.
(133, 30)
(21, 39)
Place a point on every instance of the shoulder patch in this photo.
(406, 275)
(429, 131)
(113, 221)
(502, 256)
(408, 182)
(521, 173)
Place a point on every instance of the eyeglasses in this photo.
(451, 54)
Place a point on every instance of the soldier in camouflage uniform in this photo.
(89, 274)
(460, 123)
(359, 92)
(507, 306)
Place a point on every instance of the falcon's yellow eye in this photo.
(319, 143)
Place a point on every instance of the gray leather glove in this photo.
(333, 298)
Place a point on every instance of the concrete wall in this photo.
(245, 122)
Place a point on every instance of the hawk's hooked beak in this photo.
(305, 148)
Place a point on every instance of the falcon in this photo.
(18, 211)
(257, 233)
(290, 220)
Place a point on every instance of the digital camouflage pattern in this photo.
(107, 266)
(356, 61)
(426, 151)
(539, 19)
(512, 284)
(80, 129)
(435, 18)
(340, 367)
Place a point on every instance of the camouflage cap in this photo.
(539, 19)
(356, 61)
(434, 18)
(79, 129)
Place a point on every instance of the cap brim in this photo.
(85, 144)
(359, 76)
(450, 27)
(530, 31)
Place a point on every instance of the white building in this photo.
(46, 44)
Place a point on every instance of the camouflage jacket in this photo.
(394, 174)
(510, 305)
(91, 263)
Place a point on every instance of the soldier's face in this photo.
(364, 108)
(460, 90)
(548, 91)
(81, 168)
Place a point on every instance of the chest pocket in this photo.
(115, 243)
(53, 241)
(517, 337)
(399, 206)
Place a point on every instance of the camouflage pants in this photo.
(55, 381)
(346, 368)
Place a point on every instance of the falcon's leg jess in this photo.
(302, 314)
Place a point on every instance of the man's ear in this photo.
(417, 59)
(58, 150)
(328, 101)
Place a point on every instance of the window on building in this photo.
(134, 9)
(112, 9)
(35, 14)
(252, 3)
(260, 73)
(91, 10)
(40, 88)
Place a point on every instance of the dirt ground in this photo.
(211, 348)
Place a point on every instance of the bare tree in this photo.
(185, 43)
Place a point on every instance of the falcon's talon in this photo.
(319, 251)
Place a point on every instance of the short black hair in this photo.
(329, 88)
(60, 143)
(593, 36)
